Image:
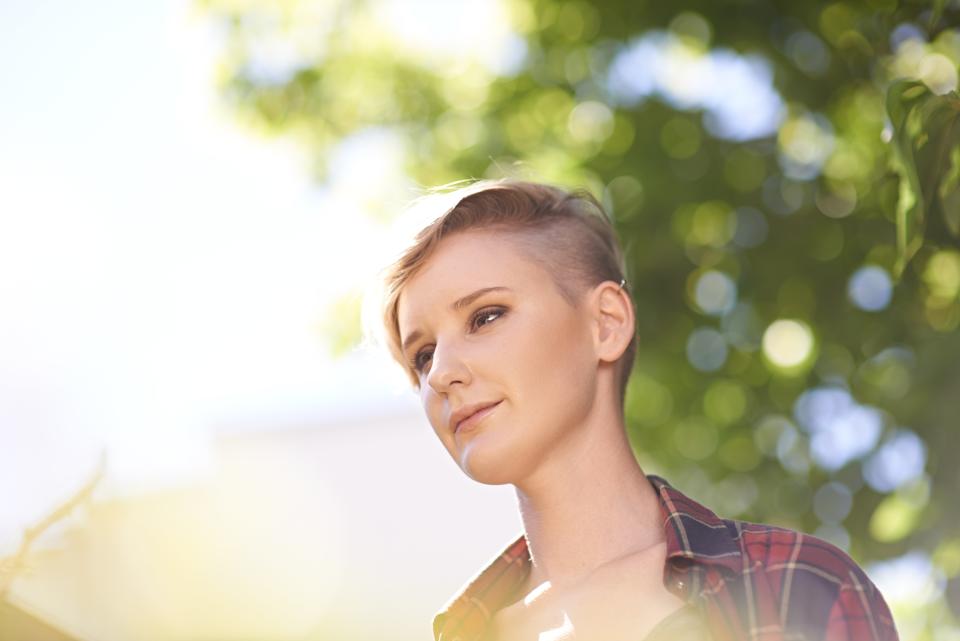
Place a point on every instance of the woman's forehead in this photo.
(463, 263)
(467, 258)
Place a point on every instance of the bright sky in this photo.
(162, 273)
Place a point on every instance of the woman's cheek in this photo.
(433, 408)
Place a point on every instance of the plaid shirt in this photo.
(750, 582)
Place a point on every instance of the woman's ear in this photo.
(614, 318)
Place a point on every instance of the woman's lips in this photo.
(475, 418)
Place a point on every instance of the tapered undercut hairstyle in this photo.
(566, 232)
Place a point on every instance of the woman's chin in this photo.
(486, 466)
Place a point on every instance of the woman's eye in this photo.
(485, 315)
(420, 360)
(478, 320)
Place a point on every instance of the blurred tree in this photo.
(785, 177)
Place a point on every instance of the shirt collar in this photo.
(694, 532)
(694, 535)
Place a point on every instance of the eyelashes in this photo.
(486, 313)
(420, 359)
(418, 363)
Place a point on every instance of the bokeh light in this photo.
(805, 142)
(942, 274)
(870, 288)
(832, 502)
(715, 293)
(590, 122)
(890, 372)
(838, 199)
(742, 327)
(840, 428)
(706, 349)
(792, 451)
(711, 223)
(735, 91)
(767, 431)
(900, 459)
(751, 227)
(808, 52)
(899, 514)
(788, 344)
(911, 578)
(725, 401)
(836, 534)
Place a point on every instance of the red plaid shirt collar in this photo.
(681, 517)
(749, 581)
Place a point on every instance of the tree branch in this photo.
(10, 566)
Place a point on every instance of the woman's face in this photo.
(484, 324)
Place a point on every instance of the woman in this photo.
(510, 313)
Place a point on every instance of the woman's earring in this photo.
(623, 281)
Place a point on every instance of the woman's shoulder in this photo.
(696, 532)
(754, 576)
(781, 549)
(812, 582)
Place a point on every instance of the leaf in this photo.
(888, 190)
(949, 193)
(926, 134)
(936, 157)
(902, 97)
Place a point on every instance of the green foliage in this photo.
(745, 253)
(926, 138)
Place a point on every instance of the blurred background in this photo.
(196, 444)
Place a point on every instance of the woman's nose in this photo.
(447, 367)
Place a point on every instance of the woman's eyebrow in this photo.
(457, 306)
(469, 298)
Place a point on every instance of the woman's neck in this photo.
(589, 504)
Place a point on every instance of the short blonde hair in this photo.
(567, 232)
